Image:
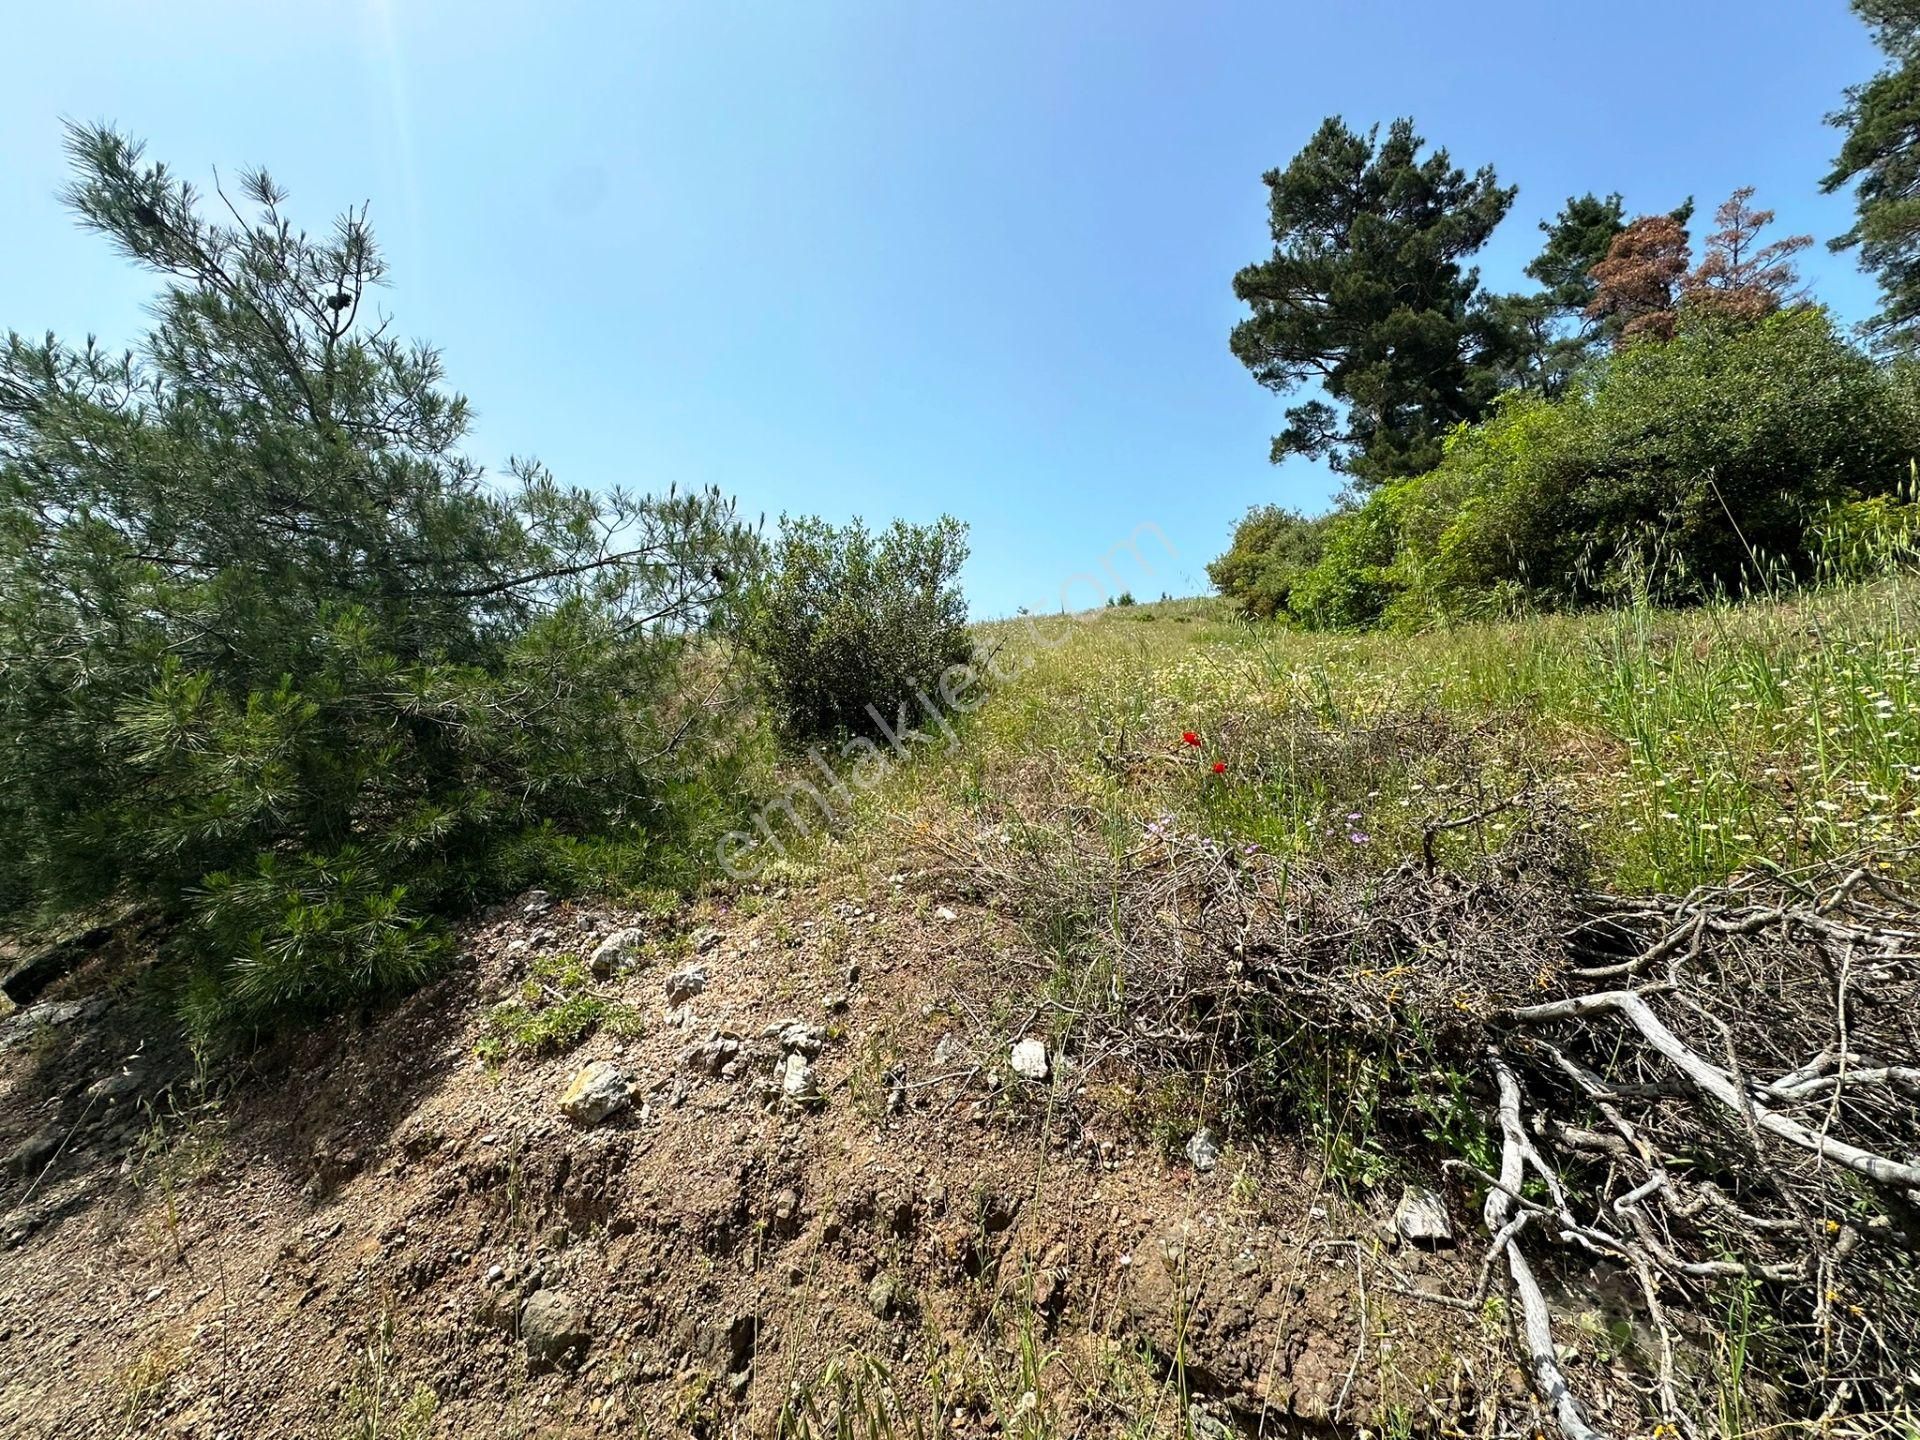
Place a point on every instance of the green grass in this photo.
(1689, 745)
(553, 1009)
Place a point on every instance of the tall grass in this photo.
(1688, 745)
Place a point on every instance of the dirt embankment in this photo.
(822, 1184)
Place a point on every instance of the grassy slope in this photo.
(1690, 745)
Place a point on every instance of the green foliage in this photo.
(1351, 584)
(1271, 548)
(1880, 157)
(276, 656)
(1705, 465)
(1548, 334)
(846, 624)
(554, 1009)
(1367, 292)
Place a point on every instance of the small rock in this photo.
(683, 985)
(610, 952)
(1421, 1218)
(946, 914)
(595, 1093)
(713, 1057)
(704, 939)
(552, 1327)
(538, 903)
(796, 1079)
(117, 1086)
(946, 1051)
(1029, 1059)
(1201, 1150)
(799, 1038)
(833, 1004)
(884, 1294)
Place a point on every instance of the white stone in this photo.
(1029, 1059)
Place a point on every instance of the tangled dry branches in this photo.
(1706, 1100)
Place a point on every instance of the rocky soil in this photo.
(814, 1135)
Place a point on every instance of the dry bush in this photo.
(1704, 1102)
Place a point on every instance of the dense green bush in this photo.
(1677, 470)
(276, 657)
(842, 620)
(1271, 548)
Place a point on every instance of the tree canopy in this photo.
(1367, 291)
(1880, 157)
(277, 656)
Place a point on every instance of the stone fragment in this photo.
(553, 1327)
(1421, 1217)
(797, 1081)
(683, 985)
(1029, 1059)
(596, 1092)
(611, 952)
(33, 1154)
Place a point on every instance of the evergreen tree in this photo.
(1637, 287)
(1550, 331)
(276, 656)
(1740, 279)
(1367, 291)
(1881, 158)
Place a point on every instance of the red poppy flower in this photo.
(1190, 737)
(1219, 767)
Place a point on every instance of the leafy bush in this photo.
(1352, 583)
(279, 658)
(842, 620)
(1271, 548)
(1679, 470)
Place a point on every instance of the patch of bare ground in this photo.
(348, 1237)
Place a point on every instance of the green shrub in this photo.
(1729, 456)
(1272, 547)
(845, 623)
(276, 658)
(1352, 583)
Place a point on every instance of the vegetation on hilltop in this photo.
(1588, 910)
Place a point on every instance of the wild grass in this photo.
(553, 1009)
(1693, 745)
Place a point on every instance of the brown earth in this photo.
(310, 1245)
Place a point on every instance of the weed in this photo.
(141, 1386)
(377, 1408)
(556, 1007)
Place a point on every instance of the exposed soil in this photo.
(363, 1212)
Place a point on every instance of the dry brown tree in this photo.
(1740, 278)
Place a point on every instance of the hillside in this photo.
(1085, 1078)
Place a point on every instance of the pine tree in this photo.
(1637, 287)
(1741, 279)
(276, 656)
(1880, 157)
(1367, 292)
(1549, 333)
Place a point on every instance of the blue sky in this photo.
(893, 258)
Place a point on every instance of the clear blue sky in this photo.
(894, 257)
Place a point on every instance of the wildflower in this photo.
(1190, 737)
(1219, 767)
(1358, 838)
